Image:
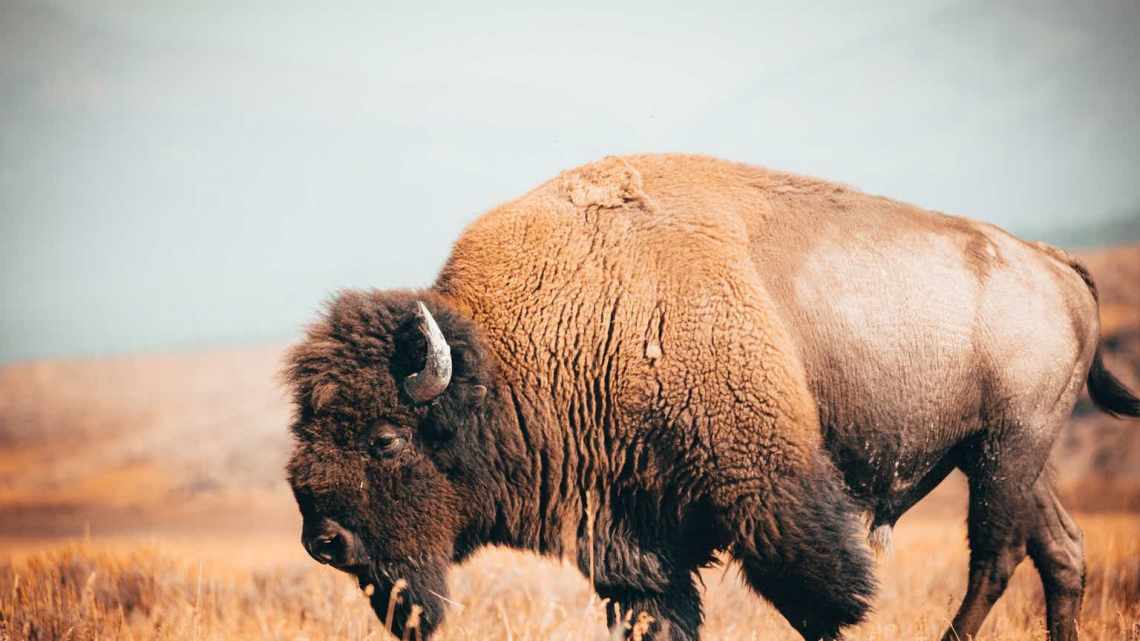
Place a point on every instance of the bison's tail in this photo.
(1106, 390)
(1109, 393)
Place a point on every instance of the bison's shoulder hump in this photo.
(609, 183)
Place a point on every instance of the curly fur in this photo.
(662, 357)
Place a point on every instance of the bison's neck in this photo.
(553, 470)
(572, 335)
(547, 442)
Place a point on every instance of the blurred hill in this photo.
(144, 443)
(199, 441)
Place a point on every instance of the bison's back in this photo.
(913, 327)
(673, 276)
(874, 288)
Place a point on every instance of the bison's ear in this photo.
(464, 404)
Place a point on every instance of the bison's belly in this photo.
(890, 425)
(887, 338)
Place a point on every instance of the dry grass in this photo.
(88, 591)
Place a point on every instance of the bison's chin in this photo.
(419, 599)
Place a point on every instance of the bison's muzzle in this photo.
(417, 583)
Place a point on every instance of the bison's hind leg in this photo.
(808, 555)
(1056, 546)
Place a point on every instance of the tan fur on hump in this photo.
(608, 183)
(591, 283)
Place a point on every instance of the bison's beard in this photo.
(425, 586)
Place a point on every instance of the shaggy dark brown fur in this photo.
(670, 356)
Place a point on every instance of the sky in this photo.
(186, 175)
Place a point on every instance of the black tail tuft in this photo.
(1109, 393)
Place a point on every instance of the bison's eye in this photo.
(385, 444)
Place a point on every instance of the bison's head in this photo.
(390, 390)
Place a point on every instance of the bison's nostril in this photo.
(333, 545)
(330, 549)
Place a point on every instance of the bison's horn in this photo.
(425, 385)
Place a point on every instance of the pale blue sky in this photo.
(187, 174)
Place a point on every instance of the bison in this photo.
(650, 363)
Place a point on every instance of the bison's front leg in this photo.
(649, 582)
(670, 615)
(804, 549)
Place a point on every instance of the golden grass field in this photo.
(144, 498)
